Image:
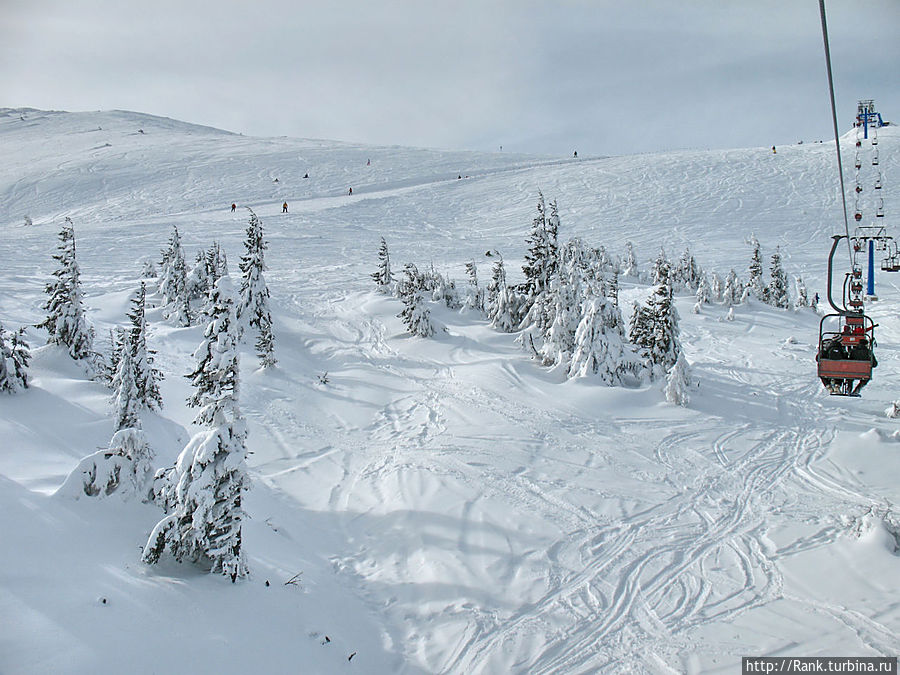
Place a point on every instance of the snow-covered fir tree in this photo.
(600, 349)
(199, 281)
(443, 289)
(755, 279)
(203, 492)
(733, 291)
(474, 292)
(146, 376)
(14, 357)
(659, 333)
(717, 286)
(777, 291)
(541, 258)
(802, 294)
(629, 262)
(172, 282)
(384, 278)
(66, 322)
(149, 270)
(688, 272)
(253, 310)
(125, 466)
(678, 382)
(559, 343)
(661, 268)
(415, 313)
(704, 292)
(501, 303)
(893, 410)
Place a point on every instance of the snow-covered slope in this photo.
(452, 506)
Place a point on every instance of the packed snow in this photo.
(447, 504)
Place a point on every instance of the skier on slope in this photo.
(284, 208)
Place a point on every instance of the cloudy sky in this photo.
(535, 76)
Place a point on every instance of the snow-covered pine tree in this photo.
(599, 347)
(755, 282)
(14, 357)
(147, 378)
(204, 490)
(173, 281)
(124, 467)
(559, 343)
(542, 256)
(777, 291)
(253, 310)
(703, 291)
(384, 278)
(678, 382)
(415, 314)
(501, 303)
(661, 268)
(731, 295)
(802, 294)
(198, 281)
(893, 410)
(717, 286)
(629, 262)
(149, 270)
(66, 322)
(688, 271)
(474, 292)
(661, 337)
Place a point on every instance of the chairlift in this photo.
(878, 182)
(879, 211)
(845, 356)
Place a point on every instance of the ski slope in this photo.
(453, 506)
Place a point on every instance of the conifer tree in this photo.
(383, 276)
(254, 308)
(629, 262)
(415, 314)
(599, 345)
(659, 334)
(66, 322)
(542, 256)
(501, 304)
(678, 382)
(703, 291)
(124, 467)
(149, 270)
(204, 490)
(731, 295)
(755, 281)
(147, 378)
(173, 281)
(802, 294)
(14, 358)
(661, 268)
(777, 292)
(717, 287)
(474, 292)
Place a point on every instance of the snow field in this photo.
(453, 506)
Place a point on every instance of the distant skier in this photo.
(773, 150)
(233, 207)
(284, 208)
(351, 191)
(368, 162)
(816, 300)
(306, 175)
(575, 154)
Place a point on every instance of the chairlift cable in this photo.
(837, 138)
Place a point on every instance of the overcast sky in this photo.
(547, 77)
